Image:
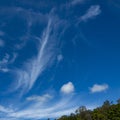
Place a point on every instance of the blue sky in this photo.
(57, 55)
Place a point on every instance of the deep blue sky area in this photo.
(57, 55)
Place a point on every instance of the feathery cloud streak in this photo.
(75, 2)
(42, 98)
(35, 66)
(37, 111)
(92, 12)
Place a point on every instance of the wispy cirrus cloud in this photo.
(5, 110)
(7, 59)
(75, 2)
(91, 13)
(56, 110)
(35, 110)
(33, 68)
(4, 62)
(42, 98)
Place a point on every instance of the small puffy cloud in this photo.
(99, 88)
(2, 43)
(42, 98)
(92, 12)
(67, 88)
(60, 57)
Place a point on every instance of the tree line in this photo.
(108, 111)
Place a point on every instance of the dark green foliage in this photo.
(107, 111)
(118, 101)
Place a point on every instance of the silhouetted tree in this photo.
(106, 104)
(80, 109)
(118, 101)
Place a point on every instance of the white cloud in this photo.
(34, 67)
(4, 69)
(99, 88)
(5, 110)
(7, 59)
(4, 62)
(13, 58)
(36, 111)
(92, 12)
(60, 57)
(42, 98)
(67, 88)
(2, 43)
(75, 2)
